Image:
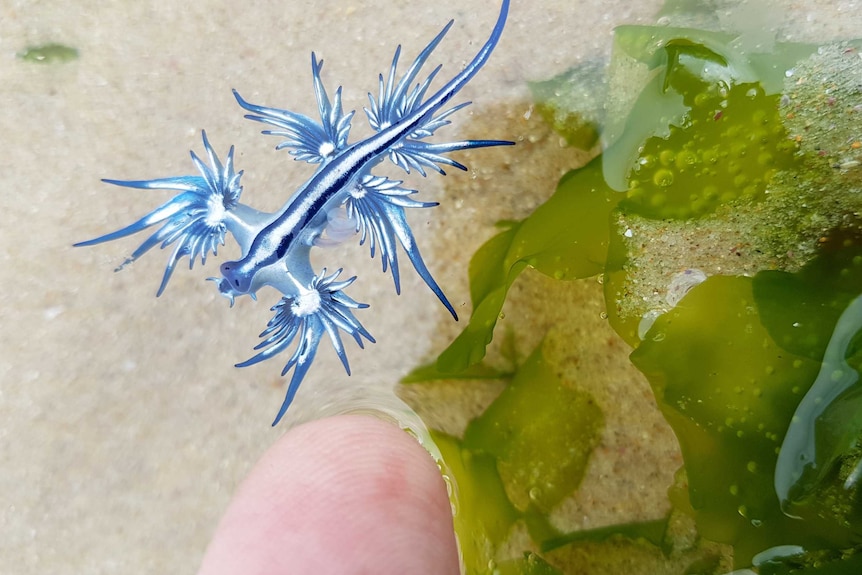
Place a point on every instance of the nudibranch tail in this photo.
(397, 104)
(194, 219)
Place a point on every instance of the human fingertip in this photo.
(346, 494)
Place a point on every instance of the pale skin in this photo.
(344, 495)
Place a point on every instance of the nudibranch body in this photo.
(275, 247)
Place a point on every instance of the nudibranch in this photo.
(275, 247)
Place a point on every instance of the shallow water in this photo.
(119, 412)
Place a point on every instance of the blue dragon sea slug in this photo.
(275, 246)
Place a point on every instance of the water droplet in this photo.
(685, 159)
(663, 178)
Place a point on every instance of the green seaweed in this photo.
(731, 145)
(758, 374)
(731, 392)
(651, 531)
(541, 431)
(704, 131)
(517, 461)
(817, 314)
(51, 53)
(477, 371)
(483, 514)
(691, 141)
(800, 309)
(565, 238)
(529, 564)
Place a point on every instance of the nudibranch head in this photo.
(238, 275)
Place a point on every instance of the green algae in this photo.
(769, 421)
(756, 368)
(801, 309)
(518, 460)
(704, 133)
(548, 241)
(731, 145)
(676, 68)
(51, 53)
(817, 314)
(729, 393)
(818, 468)
(772, 154)
(529, 564)
(483, 514)
(541, 431)
(477, 371)
(653, 532)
